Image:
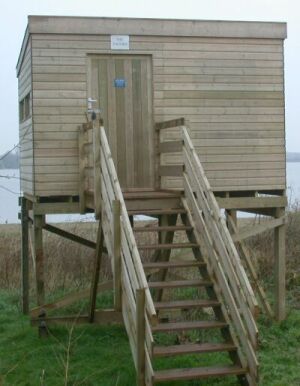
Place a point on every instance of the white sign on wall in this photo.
(119, 42)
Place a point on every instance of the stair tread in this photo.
(186, 304)
(168, 246)
(156, 211)
(192, 348)
(173, 264)
(197, 373)
(178, 326)
(162, 228)
(179, 283)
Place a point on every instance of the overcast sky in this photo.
(14, 19)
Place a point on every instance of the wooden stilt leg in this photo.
(131, 219)
(280, 267)
(38, 223)
(246, 258)
(97, 266)
(166, 238)
(24, 255)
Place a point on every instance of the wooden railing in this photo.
(220, 254)
(132, 295)
(167, 148)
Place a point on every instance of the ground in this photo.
(92, 355)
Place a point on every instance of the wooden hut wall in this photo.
(231, 90)
(25, 124)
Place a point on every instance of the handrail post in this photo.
(97, 167)
(117, 254)
(82, 167)
(140, 327)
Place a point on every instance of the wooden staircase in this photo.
(188, 296)
(190, 314)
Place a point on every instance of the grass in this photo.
(93, 355)
(86, 355)
(96, 355)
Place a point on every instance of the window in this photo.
(24, 108)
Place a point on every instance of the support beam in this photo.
(72, 237)
(245, 233)
(38, 223)
(69, 236)
(96, 272)
(69, 299)
(244, 203)
(280, 267)
(24, 255)
(102, 317)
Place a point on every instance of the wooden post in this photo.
(246, 258)
(38, 223)
(140, 327)
(166, 238)
(97, 266)
(233, 214)
(97, 167)
(117, 254)
(280, 268)
(24, 255)
(82, 167)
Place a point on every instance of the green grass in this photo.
(101, 355)
(97, 355)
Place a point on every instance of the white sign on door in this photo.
(119, 42)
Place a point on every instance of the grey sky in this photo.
(14, 19)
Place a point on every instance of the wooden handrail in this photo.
(132, 294)
(220, 252)
(169, 124)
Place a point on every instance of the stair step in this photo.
(169, 246)
(153, 212)
(179, 326)
(197, 373)
(179, 283)
(162, 228)
(182, 349)
(174, 264)
(186, 304)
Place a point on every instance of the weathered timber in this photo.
(280, 267)
(247, 259)
(69, 299)
(38, 223)
(117, 254)
(24, 255)
(69, 236)
(96, 272)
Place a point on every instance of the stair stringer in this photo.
(251, 377)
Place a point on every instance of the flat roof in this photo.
(159, 27)
(79, 25)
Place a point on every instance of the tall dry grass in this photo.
(68, 265)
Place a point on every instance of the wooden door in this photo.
(122, 86)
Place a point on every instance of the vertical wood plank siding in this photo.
(230, 90)
(25, 127)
